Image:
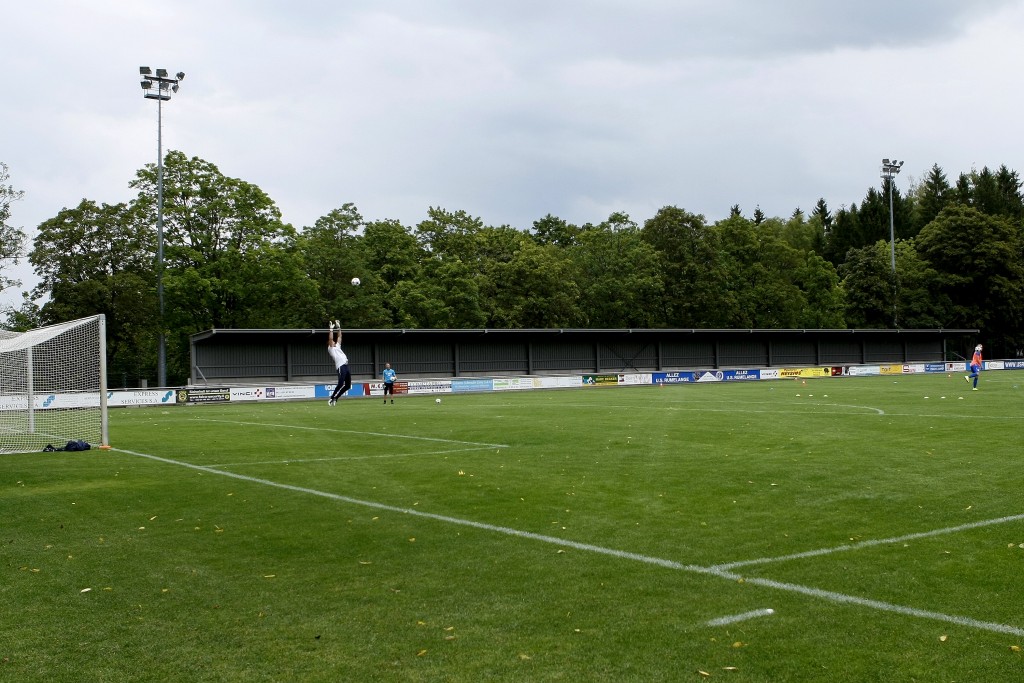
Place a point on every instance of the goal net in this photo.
(53, 386)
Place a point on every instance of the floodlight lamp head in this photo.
(174, 88)
(147, 84)
(885, 162)
(161, 73)
(145, 70)
(181, 75)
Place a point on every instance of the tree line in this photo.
(230, 261)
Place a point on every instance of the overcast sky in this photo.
(510, 110)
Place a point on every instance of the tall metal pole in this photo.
(892, 231)
(165, 85)
(890, 169)
(162, 350)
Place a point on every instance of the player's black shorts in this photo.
(389, 388)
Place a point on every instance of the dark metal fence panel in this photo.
(481, 357)
(794, 352)
(677, 355)
(627, 356)
(552, 357)
(422, 358)
(310, 360)
(841, 352)
(752, 353)
(243, 361)
(925, 351)
(879, 351)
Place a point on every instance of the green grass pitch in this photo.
(858, 529)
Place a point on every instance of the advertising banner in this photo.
(741, 375)
(934, 367)
(672, 377)
(557, 382)
(635, 378)
(443, 386)
(769, 373)
(464, 385)
(709, 376)
(1013, 364)
(140, 397)
(272, 393)
(804, 373)
(600, 380)
(289, 392)
(864, 370)
(204, 395)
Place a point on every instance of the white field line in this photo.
(869, 544)
(685, 406)
(353, 431)
(735, 618)
(291, 461)
(829, 596)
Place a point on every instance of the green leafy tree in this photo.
(868, 287)
(553, 230)
(394, 264)
(97, 258)
(334, 252)
(229, 259)
(759, 216)
(526, 284)
(979, 261)
(876, 298)
(392, 253)
(824, 303)
(931, 197)
(12, 239)
(844, 235)
(619, 275)
(760, 267)
(691, 260)
(450, 235)
(447, 298)
(920, 303)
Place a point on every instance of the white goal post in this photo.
(53, 386)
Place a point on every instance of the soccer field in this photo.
(847, 529)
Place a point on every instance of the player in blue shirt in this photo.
(389, 382)
(976, 365)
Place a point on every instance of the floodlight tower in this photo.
(890, 169)
(165, 85)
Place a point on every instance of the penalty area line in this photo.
(735, 618)
(353, 431)
(870, 544)
(299, 461)
(828, 596)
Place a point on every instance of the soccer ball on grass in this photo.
(356, 282)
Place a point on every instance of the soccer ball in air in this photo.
(437, 400)
(356, 282)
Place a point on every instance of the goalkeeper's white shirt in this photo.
(338, 355)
